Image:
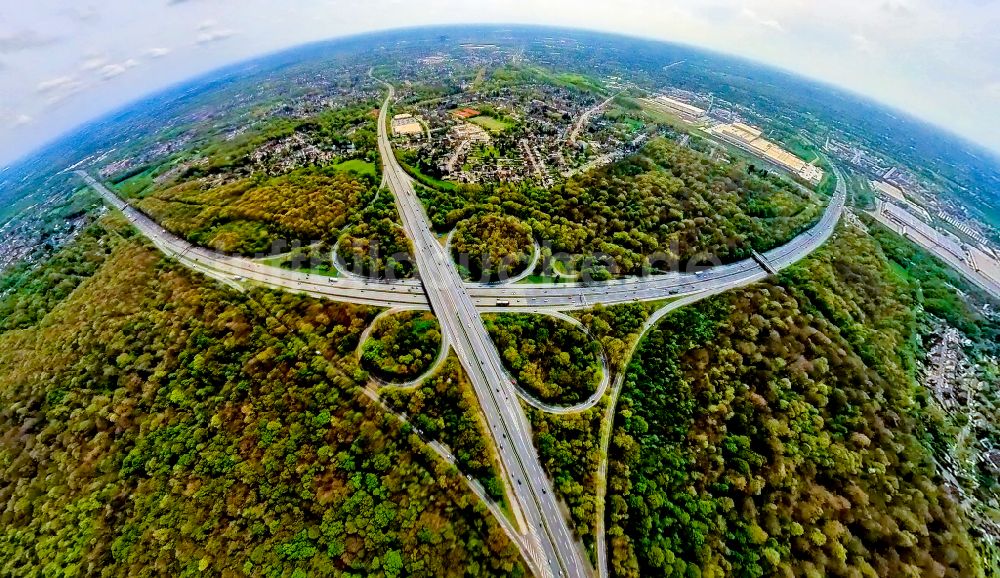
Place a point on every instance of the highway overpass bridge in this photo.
(543, 534)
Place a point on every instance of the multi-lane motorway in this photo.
(928, 238)
(556, 553)
(239, 270)
(551, 549)
(408, 293)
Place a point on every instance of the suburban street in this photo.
(586, 116)
(514, 290)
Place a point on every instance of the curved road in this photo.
(431, 369)
(240, 270)
(584, 405)
(556, 296)
(607, 424)
(552, 551)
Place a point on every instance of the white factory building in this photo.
(751, 140)
(685, 111)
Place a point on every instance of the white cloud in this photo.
(59, 89)
(210, 33)
(94, 62)
(157, 52)
(771, 23)
(58, 83)
(862, 43)
(930, 57)
(11, 119)
(109, 71)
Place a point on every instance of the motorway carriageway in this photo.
(552, 549)
(556, 296)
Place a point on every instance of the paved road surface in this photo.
(556, 296)
(457, 305)
(931, 245)
(431, 370)
(585, 118)
(602, 386)
(233, 269)
(557, 553)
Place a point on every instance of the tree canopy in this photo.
(402, 346)
(551, 359)
(667, 202)
(492, 247)
(773, 430)
(153, 423)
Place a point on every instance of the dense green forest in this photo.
(514, 74)
(667, 200)
(962, 412)
(247, 216)
(776, 430)
(29, 292)
(492, 247)
(374, 244)
(616, 327)
(402, 346)
(445, 408)
(568, 446)
(153, 423)
(937, 284)
(551, 359)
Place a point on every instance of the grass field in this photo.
(491, 124)
(659, 115)
(358, 166)
(282, 261)
(519, 74)
(136, 184)
(536, 279)
(803, 150)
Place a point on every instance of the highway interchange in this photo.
(556, 551)
(410, 292)
(546, 539)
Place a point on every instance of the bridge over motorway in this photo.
(543, 534)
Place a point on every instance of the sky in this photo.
(64, 62)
